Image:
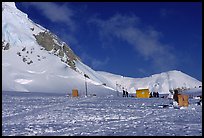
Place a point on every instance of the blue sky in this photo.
(133, 39)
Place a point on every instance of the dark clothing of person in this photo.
(150, 95)
(124, 93)
(157, 94)
(154, 94)
(175, 96)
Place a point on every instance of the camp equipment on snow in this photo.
(142, 93)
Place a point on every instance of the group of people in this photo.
(154, 94)
(125, 93)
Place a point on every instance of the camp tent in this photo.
(75, 93)
(142, 93)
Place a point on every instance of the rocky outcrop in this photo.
(54, 45)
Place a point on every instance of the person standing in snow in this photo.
(150, 95)
(157, 94)
(175, 96)
(124, 92)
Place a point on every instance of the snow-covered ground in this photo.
(25, 113)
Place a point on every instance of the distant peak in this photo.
(11, 4)
(174, 71)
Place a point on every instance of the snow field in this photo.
(57, 114)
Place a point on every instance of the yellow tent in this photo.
(182, 100)
(75, 93)
(142, 93)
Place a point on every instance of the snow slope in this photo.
(162, 82)
(16, 26)
(28, 67)
(46, 73)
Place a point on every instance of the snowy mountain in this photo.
(36, 60)
(162, 82)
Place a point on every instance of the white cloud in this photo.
(54, 12)
(145, 41)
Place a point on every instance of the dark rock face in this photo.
(45, 40)
(50, 42)
(53, 45)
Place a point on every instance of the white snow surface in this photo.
(42, 114)
(10, 4)
(16, 26)
(49, 74)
